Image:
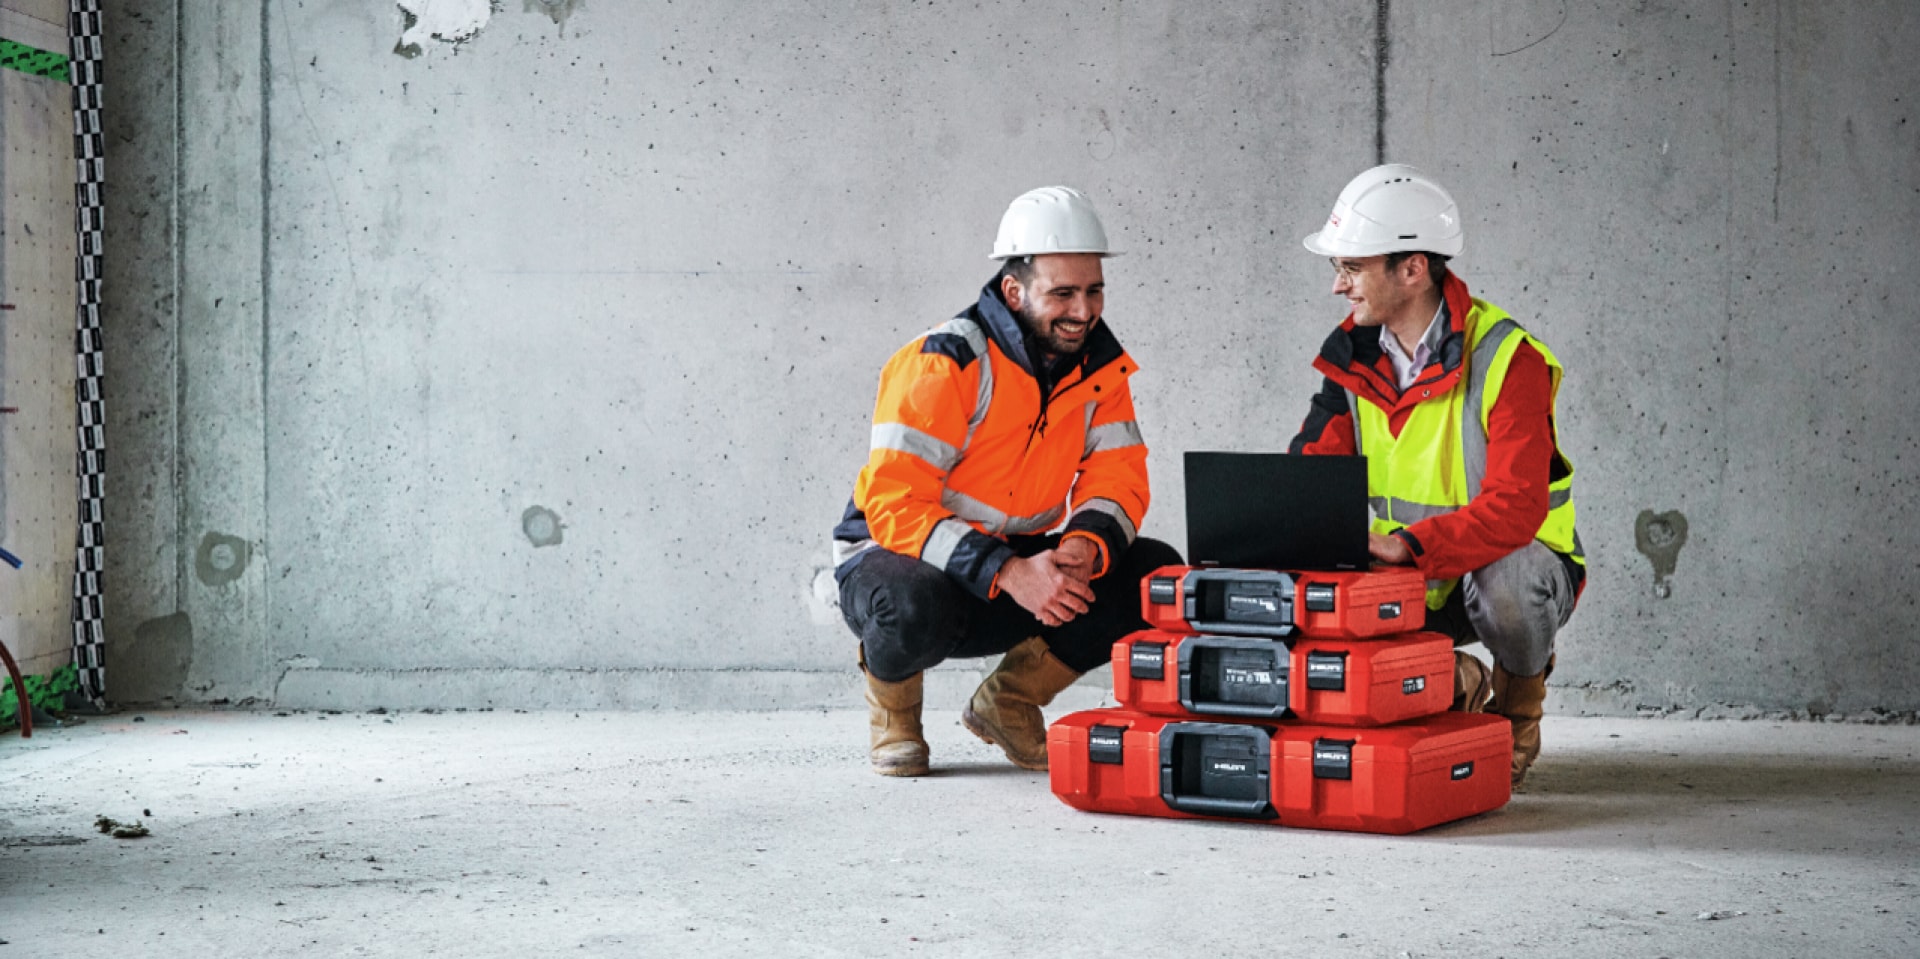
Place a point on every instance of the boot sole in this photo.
(904, 772)
(979, 727)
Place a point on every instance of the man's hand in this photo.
(1076, 556)
(1389, 550)
(1041, 587)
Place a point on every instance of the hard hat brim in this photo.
(1313, 245)
(1448, 248)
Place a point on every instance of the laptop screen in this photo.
(1276, 511)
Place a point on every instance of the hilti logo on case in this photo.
(1389, 610)
(1162, 591)
(1463, 770)
(1327, 671)
(1148, 661)
(1103, 741)
(1320, 598)
(1410, 686)
(1332, 759)
(1229, 767)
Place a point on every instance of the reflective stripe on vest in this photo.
(1111, 436)
(1111, 508)
(940, 454)
(994, 521)
(977, 341)
(1491, 351)
(944, 539)
(960, 504)
(905, 439)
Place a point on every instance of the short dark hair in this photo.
(1436, 264)
(1018, 267)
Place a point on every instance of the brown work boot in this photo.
(1472, 686)
(897, 746)
(1005, 710)
(1523, 700)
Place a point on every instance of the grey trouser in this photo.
(1514, 605)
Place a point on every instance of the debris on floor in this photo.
(121, 830)
(1721, 914)
(32, 841)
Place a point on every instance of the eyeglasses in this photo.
(1349, 270)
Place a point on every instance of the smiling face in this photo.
(1369, 288)
(1392, 291)
(1060, 302)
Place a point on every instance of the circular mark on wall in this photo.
(1659, 537)
(542, 526)
(221, 558)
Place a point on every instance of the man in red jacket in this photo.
(1452, 403)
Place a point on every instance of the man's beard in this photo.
(1042, 332)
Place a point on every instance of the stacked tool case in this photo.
(1298, 698)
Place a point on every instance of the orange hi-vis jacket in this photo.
(975, 439)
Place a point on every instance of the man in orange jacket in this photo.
(990, 431)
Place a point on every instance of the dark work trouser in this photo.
(910, 615)
(1514, 605)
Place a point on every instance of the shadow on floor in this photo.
(1758, 804)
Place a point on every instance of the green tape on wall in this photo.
(30, 60)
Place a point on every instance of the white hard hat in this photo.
(1390, 209)
(1051, 219)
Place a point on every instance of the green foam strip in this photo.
(47, 692)
(32, 61)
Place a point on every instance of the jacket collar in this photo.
(993, 315)
(1351, 354)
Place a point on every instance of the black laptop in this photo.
(1276, 511)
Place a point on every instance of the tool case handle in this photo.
(1215, 806)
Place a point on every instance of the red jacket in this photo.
(1520, 438)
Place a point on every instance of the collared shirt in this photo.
(1406, 368)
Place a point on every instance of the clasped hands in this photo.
(1056, 585)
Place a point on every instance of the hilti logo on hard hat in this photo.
(1334, 219)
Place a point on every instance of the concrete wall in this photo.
(534, 370)
(39, 509)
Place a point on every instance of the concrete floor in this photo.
(633, 834)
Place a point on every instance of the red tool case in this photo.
(1328, 681)
(1119, 761)
(1392, 779)
(1283, 603)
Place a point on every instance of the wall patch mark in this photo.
(449, 21)
(1659, 537)
(559, 10)
(221, 558)
(542, 526)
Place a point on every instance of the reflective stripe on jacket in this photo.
(966, 450)
(1465, 464)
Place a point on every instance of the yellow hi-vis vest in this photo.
(1437, 463)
